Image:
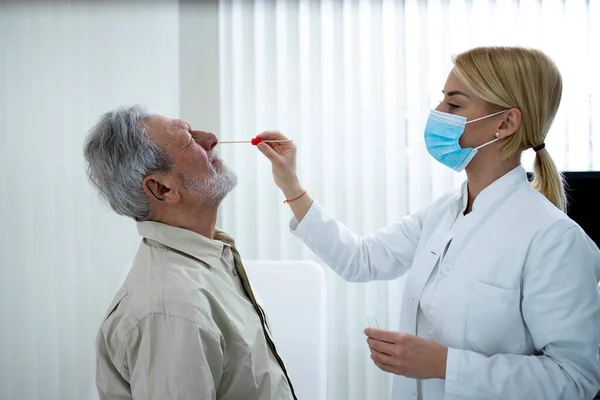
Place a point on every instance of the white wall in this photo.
(199, 64)
(61, 251)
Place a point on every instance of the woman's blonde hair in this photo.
(527, 79)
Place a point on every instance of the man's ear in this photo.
(161, 188)
(510, 123)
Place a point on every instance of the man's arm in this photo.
(173, 358)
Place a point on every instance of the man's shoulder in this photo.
(171, 291)
(177, 291)
(162, 276)
(136, 314)
(163, 282)
(137, 308)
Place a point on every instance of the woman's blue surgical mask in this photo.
(442, 133)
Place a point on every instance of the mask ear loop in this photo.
(491, 141)
(497, 133)
(485, 116)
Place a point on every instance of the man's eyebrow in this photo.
(182, 124)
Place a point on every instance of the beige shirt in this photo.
(185, 325)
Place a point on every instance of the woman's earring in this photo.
(497, 134)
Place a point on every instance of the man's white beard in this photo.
(213, 189)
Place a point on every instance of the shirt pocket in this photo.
(494, 321)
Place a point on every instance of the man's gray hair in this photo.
(119, 155)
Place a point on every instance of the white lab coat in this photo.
(515, 297)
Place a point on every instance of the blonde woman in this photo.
(501, 297)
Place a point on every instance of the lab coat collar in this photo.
(497, 190)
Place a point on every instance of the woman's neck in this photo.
(483, 172)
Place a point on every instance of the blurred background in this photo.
(351, 81)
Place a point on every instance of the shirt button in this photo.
(447, 269)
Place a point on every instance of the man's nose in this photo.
(207, 140)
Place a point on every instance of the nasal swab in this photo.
(256, 140)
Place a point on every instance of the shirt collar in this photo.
(497, 190)
(186, 241)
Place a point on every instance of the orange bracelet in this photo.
(289, 201)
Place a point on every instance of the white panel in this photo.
(555, 43)
(288, 105)
(506, 23)
(301, 341)
(576, 94)
(62, 66)
(393, 112)
(266, 98)
(594, 82)
(484, 23)
(530, 23)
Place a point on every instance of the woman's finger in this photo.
(272, 135)
(271, 154)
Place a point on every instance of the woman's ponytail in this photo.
(547, 180)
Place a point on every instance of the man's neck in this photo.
(202, 220)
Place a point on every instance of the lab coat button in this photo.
(447, 269)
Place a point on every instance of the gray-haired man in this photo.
(185, 324)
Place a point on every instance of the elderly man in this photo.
(185, 325)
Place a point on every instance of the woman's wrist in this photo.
(293, 191)
(441, 370)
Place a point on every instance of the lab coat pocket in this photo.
(494, 321)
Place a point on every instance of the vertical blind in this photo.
(352, 82)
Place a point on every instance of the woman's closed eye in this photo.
(453, 106)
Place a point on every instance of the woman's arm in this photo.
(386, 254)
